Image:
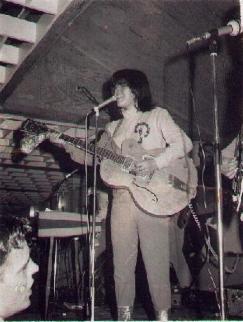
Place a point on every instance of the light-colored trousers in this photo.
(129, 225)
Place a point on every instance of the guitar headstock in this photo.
(34, 127)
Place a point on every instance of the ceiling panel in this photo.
(30, 180)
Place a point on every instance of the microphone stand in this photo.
(92, 245)
(58, 185)
(213, 47)
(56, 191)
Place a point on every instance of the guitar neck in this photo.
(33, 127)
(101, 152)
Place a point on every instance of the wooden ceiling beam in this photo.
(23, 190)
(62, 22)
(5, 142)
(27, 31)
(30, 167)
(3, 74)
(14, 121)
(47, 6)
(37, 158)
(9, 54)
(17, 28)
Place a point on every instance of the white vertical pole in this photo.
(241, 13)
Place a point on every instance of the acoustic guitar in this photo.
(163, 193)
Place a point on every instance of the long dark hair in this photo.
(137, 81)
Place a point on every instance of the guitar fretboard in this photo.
(101, 152)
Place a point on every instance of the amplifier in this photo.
(234, 296)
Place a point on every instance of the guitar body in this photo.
(165, 193)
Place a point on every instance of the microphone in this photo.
(233, 28)
(106, 102)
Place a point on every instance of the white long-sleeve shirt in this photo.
(154, 129)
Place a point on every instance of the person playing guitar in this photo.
(144, 158)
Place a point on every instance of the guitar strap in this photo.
(117, 149)
(117, 128)
(106, 141)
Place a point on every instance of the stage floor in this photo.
(196, 307)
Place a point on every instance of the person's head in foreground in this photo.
(16, 267)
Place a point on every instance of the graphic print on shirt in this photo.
(143, 131)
